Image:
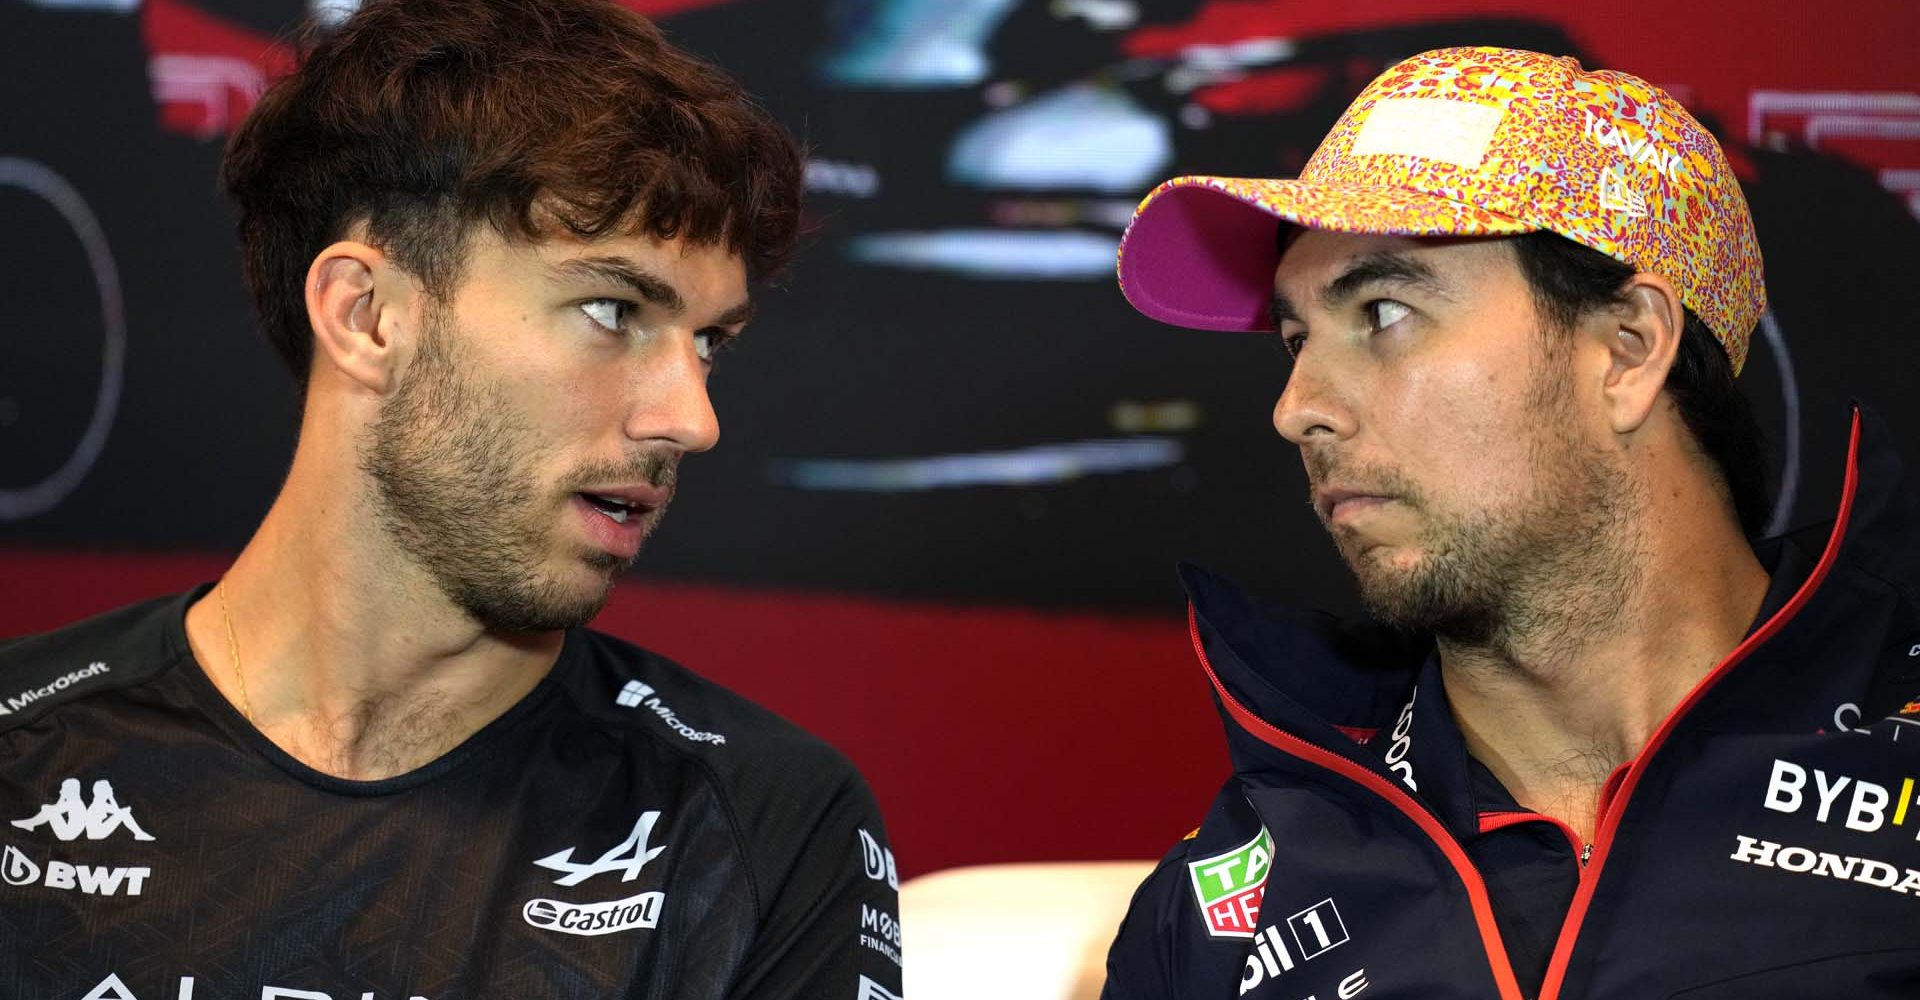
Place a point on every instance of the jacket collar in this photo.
(1343, 685)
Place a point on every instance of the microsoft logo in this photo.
(633, 694)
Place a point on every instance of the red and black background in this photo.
(1002, 653)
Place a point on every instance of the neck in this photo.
(353, 660)
(1586, 667)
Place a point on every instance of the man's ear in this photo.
(360, 305)
(1641, 334)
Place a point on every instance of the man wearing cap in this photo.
(1606, 746)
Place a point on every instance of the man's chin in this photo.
(567, 599)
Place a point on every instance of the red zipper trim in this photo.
(1267, 733)
(1491, 821)
(1615, 805)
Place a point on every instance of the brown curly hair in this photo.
(422, 118)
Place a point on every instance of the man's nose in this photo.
(670, 402)
(1311, 408)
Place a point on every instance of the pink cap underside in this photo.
(1203, 259)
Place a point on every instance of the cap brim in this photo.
(1201, 251)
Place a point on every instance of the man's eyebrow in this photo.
(621, 271)
(1384, 267)
(646, 284)
(1281, 310)
(736, 316)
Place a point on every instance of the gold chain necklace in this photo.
(233, 650)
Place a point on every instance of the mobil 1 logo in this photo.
(1285, 945)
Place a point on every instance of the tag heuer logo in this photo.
(1230, 886)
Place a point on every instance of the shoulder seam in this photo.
(712, 776)
(14, 720)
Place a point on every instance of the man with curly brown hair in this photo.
(500, 245)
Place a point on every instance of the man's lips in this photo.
(631, 495)
(1336, 505)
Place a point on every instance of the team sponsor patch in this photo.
(1229, 887)
(637, 695)
(880, 932)
(593, 919)
(58, 684)
(1307, 935)
(1856, 803)
(1844, 867)
(607, 916)
(70, 817)
(878, 860)
(870, 990)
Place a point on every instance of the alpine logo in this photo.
(61, 683)
(628, 858)
(1229, 887)
(637, 695)
(70, 816)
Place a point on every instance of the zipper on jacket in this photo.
(1396, 795)
(1586, 855)
(1621, 784)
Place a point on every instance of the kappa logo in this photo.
(878, 861)
(637, 695)
(626, 857)
(70, 816)
(1229, 887)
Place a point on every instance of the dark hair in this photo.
(1570, 280)
(422, 118)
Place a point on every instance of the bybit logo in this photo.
(1866, 806)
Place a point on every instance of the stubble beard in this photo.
(1534, 578)
(455, 488)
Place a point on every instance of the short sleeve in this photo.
(832, 925)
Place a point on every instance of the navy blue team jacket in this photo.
(1764, 844)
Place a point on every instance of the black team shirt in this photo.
(627, 830)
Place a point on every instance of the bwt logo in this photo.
(1866, 805)
(878, 861)
(93, 880)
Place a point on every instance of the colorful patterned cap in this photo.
(1469, 142)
